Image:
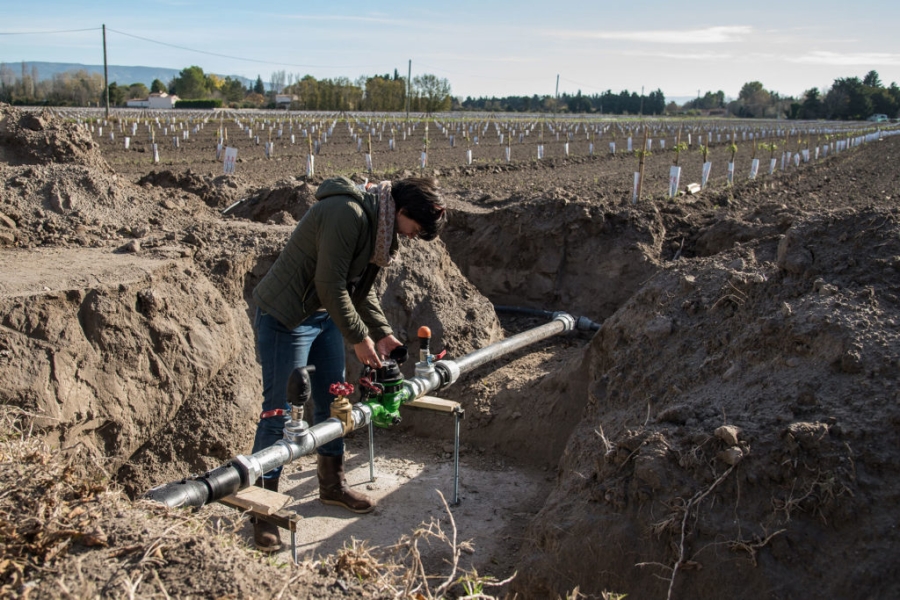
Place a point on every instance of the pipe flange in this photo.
(567, 320)
(248, 467)
(449, 371)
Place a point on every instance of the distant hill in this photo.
(119, 74)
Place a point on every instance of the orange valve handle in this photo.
(340, 389)
(424, 343)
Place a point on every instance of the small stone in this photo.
(131, 247)
(728, 434)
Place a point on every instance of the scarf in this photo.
(387, 216)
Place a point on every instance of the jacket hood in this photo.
(338, 186)
(341, 186)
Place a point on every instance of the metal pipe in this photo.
(581, 323)
(561, 322)
(300, 440)
(445, 372)
(243, 471)
(456, 457)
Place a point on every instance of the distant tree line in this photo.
(849, 98)
(610, 103)
(427, 93)
(73, 88)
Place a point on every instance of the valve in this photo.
(382, 389)
(341, 409)
(424, 343)
(299, 390)
(425, 366)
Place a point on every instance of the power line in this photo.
(47, 32)
(584, 85)
(228, 56)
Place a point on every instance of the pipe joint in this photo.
(585, 324)
(248, 467)
(295, 431)
(362, 415)
(566, 319)
(449, 371)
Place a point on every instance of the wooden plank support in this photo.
(436, 404)
(268, 506)
(257, 500)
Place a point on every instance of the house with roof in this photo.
(156, 101)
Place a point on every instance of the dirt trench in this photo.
(728, 428)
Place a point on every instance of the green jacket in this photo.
(325, 264)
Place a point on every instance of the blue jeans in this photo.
(316, 341)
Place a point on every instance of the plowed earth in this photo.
(730, 431)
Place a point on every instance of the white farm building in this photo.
(156, 101)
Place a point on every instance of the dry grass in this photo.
(55, 505)
(49, 502)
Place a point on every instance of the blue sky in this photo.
(482, 48)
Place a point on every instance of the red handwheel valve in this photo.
(340, 389)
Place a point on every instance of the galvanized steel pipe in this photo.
(242, 471)
(299, 441)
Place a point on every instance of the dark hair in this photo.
(421, 200)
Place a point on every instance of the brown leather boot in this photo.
(266, 536)
(333, 487)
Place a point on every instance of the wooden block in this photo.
(257, 500)
(438, 404)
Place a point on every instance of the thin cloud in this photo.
(708, 35)
(339, 18)
(821, 57)
(704, 56)
(479, 58)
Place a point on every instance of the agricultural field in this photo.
(728, 431)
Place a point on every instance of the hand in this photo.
(386, 344)
(365, 353)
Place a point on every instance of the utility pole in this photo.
(408, 88)
(105, 73)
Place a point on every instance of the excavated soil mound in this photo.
(284, 204)
(44, 138)
(217, 192)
